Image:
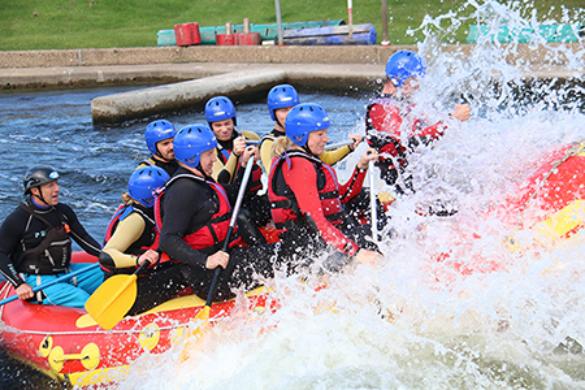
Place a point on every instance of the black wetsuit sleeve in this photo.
(10, 235)
(78, 232)
(185, 206)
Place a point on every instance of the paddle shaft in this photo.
(52, 282)
(226, 242)
(373, 202)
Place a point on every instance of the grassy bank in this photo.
(60, 24)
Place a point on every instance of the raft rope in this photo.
(80, 332)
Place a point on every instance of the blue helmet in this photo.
(404, 64)
(282, 96)
(191, 141)
(303, 119)
(157, 131)
(144, 181)
(219, 108)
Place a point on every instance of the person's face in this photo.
(281, 115)
(49, 192)
(207, 160)
(223, 130)
(410, 86)
(317, 141)
(165, 149)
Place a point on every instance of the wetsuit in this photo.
(35, 248)
(254, 207)
(132, 231)
(195, 214)
(384, 123)
(170, 167)
(308, 204)
(330, 157)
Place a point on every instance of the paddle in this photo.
(373, 203)
(113, 298)
(52, 282)
(203, 314)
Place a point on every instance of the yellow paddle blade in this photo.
(202, 318)
(203, 314)
(111, 301)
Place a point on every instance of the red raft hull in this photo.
(547, 210)
(66, 343)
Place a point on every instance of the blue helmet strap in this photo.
(225, 153)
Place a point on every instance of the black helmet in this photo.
(38, 176)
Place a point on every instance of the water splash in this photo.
(418, 321)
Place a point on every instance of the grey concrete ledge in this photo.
(373, 54)
(218, 54)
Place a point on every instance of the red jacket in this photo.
(302, 186)
(386, 116)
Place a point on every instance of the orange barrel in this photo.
(225, 39)
(248, 39)
(183, 34)
(195, 35)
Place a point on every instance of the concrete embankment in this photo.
(199, 54)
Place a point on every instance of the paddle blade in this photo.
(203, 314)
(202, 318)
(111, 301)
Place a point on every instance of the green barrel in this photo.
(165, 38)
(559, 33)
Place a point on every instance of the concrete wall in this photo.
(217, 54)
(373, 54)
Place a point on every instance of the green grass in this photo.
(60, 24)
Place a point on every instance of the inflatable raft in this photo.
(68, 345)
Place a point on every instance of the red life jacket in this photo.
(149, 238)
(283, 202)
(210, 237)
(384, 116)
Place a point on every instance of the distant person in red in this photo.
(308, 203)
(392, 127)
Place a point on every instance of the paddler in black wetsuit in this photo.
(195, 212)
(220, 113)
(159, 140)
(35, 244)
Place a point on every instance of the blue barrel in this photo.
(362, 34)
